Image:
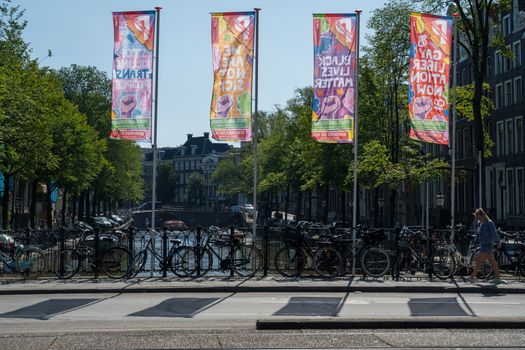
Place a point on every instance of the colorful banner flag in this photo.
(232, 48)
(428, 95)
(134, 34)
(335, 53)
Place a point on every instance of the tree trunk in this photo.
(49, 208)
(32, 206)
(87, 206)
(74, 212)
(105, 205)
(310, 205)
(343, 207)
(393, 209)
(5, 202)
(287, 203)
(326, 203)
(81, 202)
(64, 206)
(299, 206)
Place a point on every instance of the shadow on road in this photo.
(49, 308)
(435, 307)
(310, 306)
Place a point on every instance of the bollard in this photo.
(62, 242)
(232, 247)
(198, 252)
(164, 253)
(430, 256)
(97, 255)
(131, 237)
(266, 246)
(28, 238)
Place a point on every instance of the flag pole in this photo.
(154, 144)
(356, 119)
(254, 132)
(452, 138)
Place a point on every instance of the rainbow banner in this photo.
(232, 48)
(134, 34)
(334, 73)
(428, 95)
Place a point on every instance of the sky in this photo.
(81, 32)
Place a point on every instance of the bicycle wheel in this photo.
(246, 260)
(328, 262)
(138, 261)
(443, 264)
(183, 263)
(290, 262)
(375, 262)
(31, 263)
(115, 262)
(67, 263)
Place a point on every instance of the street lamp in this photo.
(440, 200)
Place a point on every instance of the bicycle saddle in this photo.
(175, 241)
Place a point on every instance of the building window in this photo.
(518, 90)
(510, 137)
(508, 61)
(520, 195)
(460, 143)
(519, 135)
(506, 25)
(465, 143)
(500, 139)
(508, 93)
(511, 191)
(499, 96)
(498, 63)
(516, 50)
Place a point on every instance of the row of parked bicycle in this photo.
(322, 250)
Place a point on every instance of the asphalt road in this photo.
(222, 320)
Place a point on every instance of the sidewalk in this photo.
(253, 285)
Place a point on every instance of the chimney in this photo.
(206, 135)
(190, 136)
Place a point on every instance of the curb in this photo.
(268, 289)
(391, 323)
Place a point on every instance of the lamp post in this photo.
(381, 203)
(440, 202)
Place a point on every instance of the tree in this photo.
(24, 105)
(479, 27)
(166, 181)
(195, 188)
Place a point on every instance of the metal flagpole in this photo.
(452, 138)
(356, 119)
(154, 145)
(254, 132)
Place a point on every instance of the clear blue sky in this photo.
(81, 32)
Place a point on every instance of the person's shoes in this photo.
(470, 279)
(496, 281)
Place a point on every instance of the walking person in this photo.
(486, 236)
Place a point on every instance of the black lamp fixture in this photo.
(440, 200)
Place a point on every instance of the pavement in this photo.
(272, 284)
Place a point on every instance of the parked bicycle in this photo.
(241, 257)
(28, 262)
(292, 259)
(113, 261)
(417, 252)
(336, 255)
(510, 256)
(180, 258)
